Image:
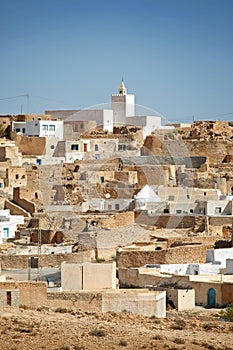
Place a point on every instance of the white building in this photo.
(103, 117)
(42, 128)
(8, 224)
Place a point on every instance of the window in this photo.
(121, 147)
(218, 210)
(109, 207)
(17, 129)
(74, 147)
(81, 125)
(52, 146)
(76, 127)
(51, 127)
(191, 211)
(23, 130)
(178, 211)
(1, 185)
(5, 232)
(96, 147)
(171, 198)
(204, 193)
(101, 179)
(17, 176)
(117, 206)
(45, 127)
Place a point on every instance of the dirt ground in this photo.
(62, 329)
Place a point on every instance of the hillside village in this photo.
(134, 215)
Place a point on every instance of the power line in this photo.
(13, 97)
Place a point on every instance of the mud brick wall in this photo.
(178, 255)
(32, 294)
(85, 301)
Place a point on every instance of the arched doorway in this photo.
(211, 297)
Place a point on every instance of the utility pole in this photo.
(27, 95)
(39, 250)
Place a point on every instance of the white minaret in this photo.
(123, 105)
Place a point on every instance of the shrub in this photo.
(123, 342)
(207, 326)
(62, 310)
(179, 341)
(179, 324)
(157, 337)
(228, 314)
(97, 333)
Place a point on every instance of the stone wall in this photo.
(14, 294)
(30, 145)
(227, 294)
(117, 220)
(178, 255)
(32, 294)
(18, 196)
(52, 260)
(83, 300)
(165, 221)
(46, 236)
(15, 209)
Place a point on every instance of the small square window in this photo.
(74, 147)
(5, 232)
(171, 198)
(218, 210)
(45, 127)
(51, 127)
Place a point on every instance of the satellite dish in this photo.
(107, 195)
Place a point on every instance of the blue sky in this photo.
(175, 55)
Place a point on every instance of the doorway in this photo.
(8, 298)
(211, 297)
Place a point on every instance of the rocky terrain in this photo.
(62, 329)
